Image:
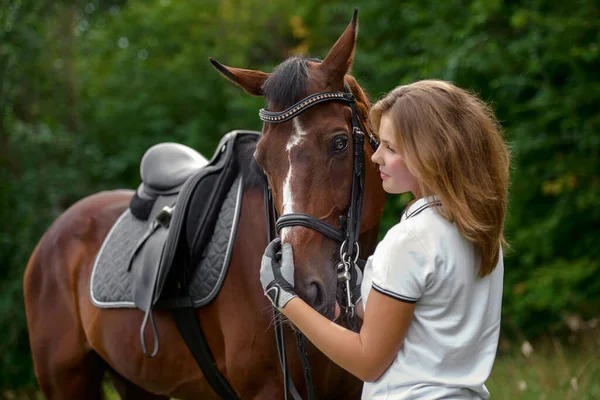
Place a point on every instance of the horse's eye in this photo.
(339, 143)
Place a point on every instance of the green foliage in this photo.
(86, 88)
(537, 63)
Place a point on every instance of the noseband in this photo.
(347, 237)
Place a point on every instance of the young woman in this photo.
(432, 290)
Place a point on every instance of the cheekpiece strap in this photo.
(276, 117)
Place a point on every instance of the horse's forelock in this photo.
(287, 84)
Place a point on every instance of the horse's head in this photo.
(308, 159)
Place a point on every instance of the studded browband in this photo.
(302, 105)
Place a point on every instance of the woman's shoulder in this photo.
(402, 236)
(400, 230)
(427, 227)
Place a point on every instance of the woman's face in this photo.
(394, 172)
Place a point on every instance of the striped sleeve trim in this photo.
(394, 295)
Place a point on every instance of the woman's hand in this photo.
(277, 273)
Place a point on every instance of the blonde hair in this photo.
(453, 145)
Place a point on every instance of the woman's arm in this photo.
(360, 310)
(367, 354)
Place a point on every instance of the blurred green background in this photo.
(86, 87)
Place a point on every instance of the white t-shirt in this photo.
(452, 339)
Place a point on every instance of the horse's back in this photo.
(83, 225)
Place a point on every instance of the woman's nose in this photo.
(375, 157)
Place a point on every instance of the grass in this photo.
(545, 378)
(548, 370)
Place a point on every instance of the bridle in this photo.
(347, 237)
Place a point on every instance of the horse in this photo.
(308, 165)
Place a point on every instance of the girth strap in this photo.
(189, 327)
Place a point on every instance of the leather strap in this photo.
(354, 217)
(288, 383)
(301, 106)
(308, 221)
(189, 327)
(149, 315)
(301, 343)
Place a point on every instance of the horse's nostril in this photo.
(315, 295)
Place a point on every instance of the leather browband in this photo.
(299, 107)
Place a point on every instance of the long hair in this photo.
(452, 143)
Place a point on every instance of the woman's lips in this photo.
(383, 176)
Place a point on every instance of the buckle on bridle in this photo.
(345, 276)
(344, 253)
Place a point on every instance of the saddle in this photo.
(173, 175)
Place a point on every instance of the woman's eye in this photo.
(340, 143)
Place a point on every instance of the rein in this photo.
(347, 237)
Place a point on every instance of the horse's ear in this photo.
(249, 80)
(339, 60)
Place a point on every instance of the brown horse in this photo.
(308, 161)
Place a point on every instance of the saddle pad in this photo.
(111, 285)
